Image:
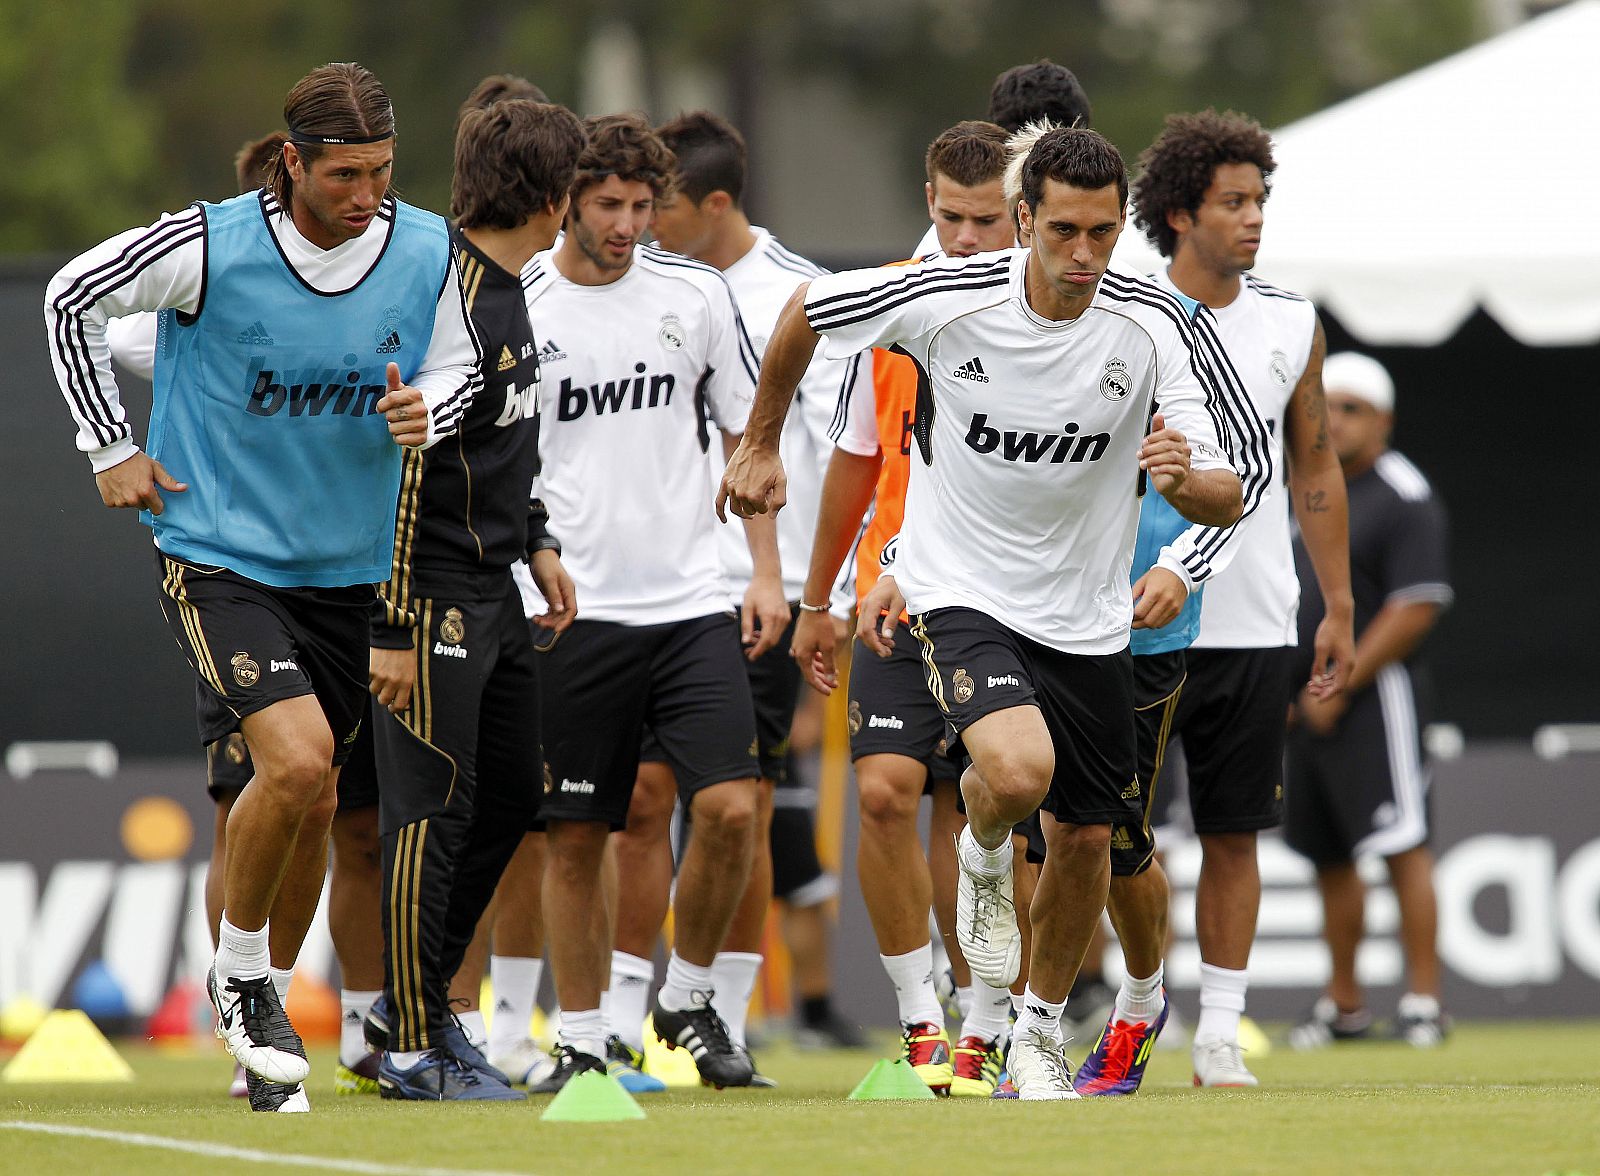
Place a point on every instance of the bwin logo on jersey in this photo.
(1115, 383)
(1054, 448)
(310, 391)
(573, 400)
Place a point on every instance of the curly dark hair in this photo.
(625, 146)
(1027, 93)
(500, 88)
(514, 159)
(1176, 170)
(1075, 156)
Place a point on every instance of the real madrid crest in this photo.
(855, 716)
(235, 749)
(549, 780)
(246, 670)
(962, 686)
(1278, 369)
(453, 629)
(1115, 383)
(671, 333)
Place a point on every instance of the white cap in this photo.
(1360, 376)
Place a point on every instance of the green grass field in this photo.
(1505, 1098)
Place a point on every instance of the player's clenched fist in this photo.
(403, 407)
(753, 483)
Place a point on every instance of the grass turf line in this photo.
(1507, 1098)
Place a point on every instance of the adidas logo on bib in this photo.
(255, 335)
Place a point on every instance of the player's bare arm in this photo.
(1316, 487)
(764, 613)
(847, 489)
(754, 482)
(137, 482)
(1213, 498)
(555, 585)
(407, 415)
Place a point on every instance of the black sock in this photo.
(815, 1010)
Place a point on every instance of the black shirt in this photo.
(464, 509)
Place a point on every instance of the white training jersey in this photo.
(164, 266)
(763, 280)
(1253, 594)
(1023, 499)
(638, 376)
(929, 245)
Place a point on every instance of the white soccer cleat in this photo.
(253, 1026)
(986, 922)
(525, 1064)
(1220, 1063)
(1039, 1068)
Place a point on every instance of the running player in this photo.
(1023, 94)
(1200, 200)
(458, 751)
(897, 733)
(1023, 495)
(267, 563)
(1358, 773)
(704, 219)
(643, 353)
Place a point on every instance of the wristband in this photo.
(816, 608)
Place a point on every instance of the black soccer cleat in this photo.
(257, 1032)
(440, 1076)
(704, 1034)
(375, 1028)
(569, 1064)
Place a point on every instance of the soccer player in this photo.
(1019, 530)
(458, 758)
(897, 732)
(704, 219)
(1200, 200)
(643, 355)
(1357, 770)
(1021, 95)
(306, 332)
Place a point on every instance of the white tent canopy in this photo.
(1472, 182)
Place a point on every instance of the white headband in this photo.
(1360, 376)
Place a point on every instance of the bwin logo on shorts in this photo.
(278, 666)
(1003, 680)
(892, 722)
(583, 787)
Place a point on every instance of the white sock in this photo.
(404, 1059)
(991, 863)
(1038, 1013)
(353, 1008)
(687, 985)
(281, 978)
(516, 986)
(733, 976)
(241, 955)
(1221, 1003)
(912, 977)
(989, 1015)
(964, 999)
(631, 978)
(1140, 1000)
(477, 1032)
(1017, 999)
(584, 1032)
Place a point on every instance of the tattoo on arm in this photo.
(1309, 393)
(1317, 502)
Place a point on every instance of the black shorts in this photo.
(473, 720)
(253, 645)
(1364, 788)
(1231, 719)
(358, 779)
(892, 713)
(1157, 685)
(976, 666)
(228, 766)
(774, 693)
(606, 682)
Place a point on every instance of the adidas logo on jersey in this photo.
(507, 360)
(390, 344)
(255, 335)
(971, 370)
(549, 353)
(1035, 447)
(573, 400)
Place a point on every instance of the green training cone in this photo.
(888, 1080)
(592, 1097)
